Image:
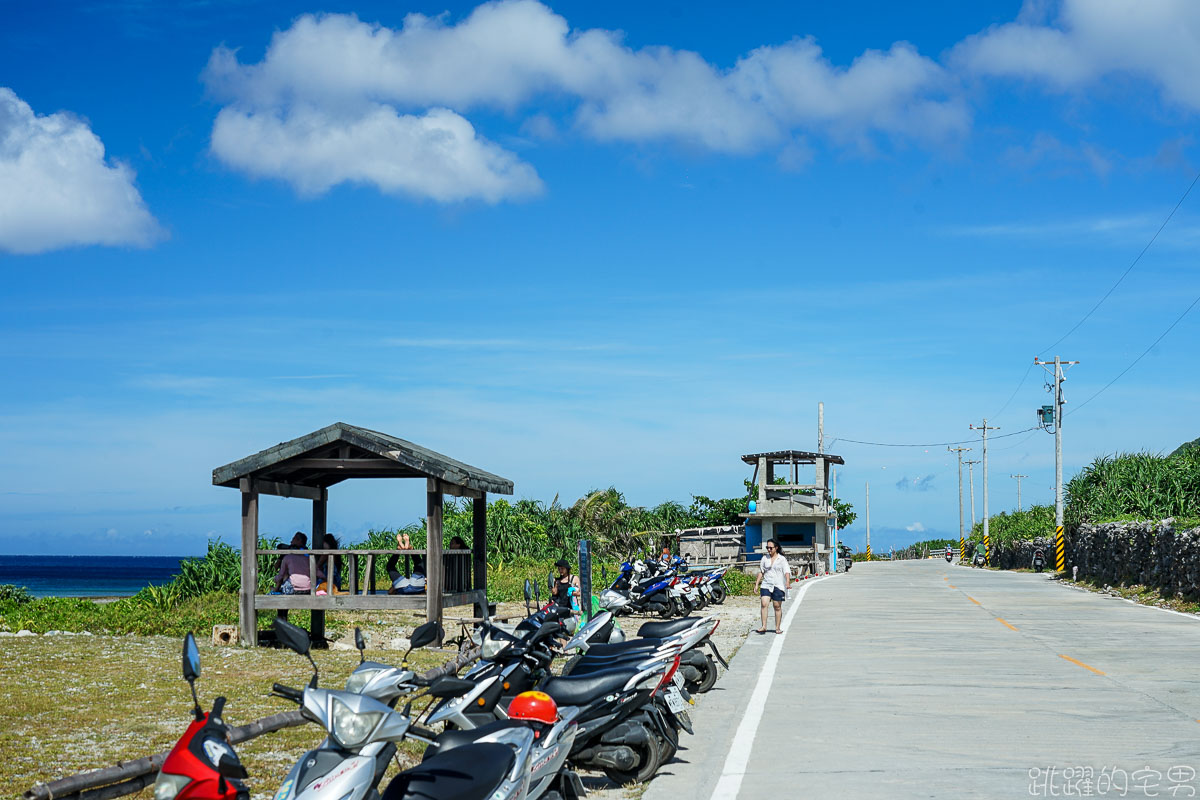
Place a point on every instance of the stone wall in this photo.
(1152, 554)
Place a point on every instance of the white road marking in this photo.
(730, 782)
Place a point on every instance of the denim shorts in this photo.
(775, 594)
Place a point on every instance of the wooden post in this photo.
(433, 553)
(247, 618)
(352, 587)
(319, 511)
(479, 552)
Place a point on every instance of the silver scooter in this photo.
(362, 737)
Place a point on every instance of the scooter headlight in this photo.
(360, 678)
(492, 647)
(166, 786)
(349, 728)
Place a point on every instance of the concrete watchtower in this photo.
(800, 516)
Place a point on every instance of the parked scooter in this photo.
(1039, 560)
(363, 733)
(202, 765)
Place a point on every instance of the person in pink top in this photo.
(292, 577)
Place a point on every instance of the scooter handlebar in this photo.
(288, 693)
(218, 707)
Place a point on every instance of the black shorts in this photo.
(775, 594)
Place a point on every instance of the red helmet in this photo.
(537, 706)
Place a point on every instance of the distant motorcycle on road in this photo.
(1039, 560)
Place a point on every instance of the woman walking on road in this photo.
(772, 583)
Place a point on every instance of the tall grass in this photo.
(1008, 526)
(1135, 486)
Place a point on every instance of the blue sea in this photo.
(87, 576)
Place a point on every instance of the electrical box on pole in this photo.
(1046, 415)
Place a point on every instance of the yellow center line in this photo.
(1006, 624)
(952, 586)
(1077, 662)
(973, 600)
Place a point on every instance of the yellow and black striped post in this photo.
(962, 549)
(1060, 549)
(868, 552)
(987, 550)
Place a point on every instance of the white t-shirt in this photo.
(775, 572)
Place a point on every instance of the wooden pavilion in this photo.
(306, 467)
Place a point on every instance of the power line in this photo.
(1127, 269)
(1133, 363)
(1014, 394)
(933, 444)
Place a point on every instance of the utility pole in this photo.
(985, 428)
(1018, 477)
(971, 473)
(1060, 561)
(836, 522)
(868, 520)
(820, 427)
(962, 541)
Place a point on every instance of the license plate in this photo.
(677, 679)
(674, 700)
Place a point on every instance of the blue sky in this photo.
(580, 246)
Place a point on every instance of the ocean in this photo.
(87, 576)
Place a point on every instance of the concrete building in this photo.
(800, 515)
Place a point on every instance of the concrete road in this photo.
(922, 679)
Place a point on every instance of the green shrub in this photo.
(14, 594)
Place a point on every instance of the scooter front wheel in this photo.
(718, 592)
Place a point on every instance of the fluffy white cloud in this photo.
(351, 75)
(1157, 40)
(436, 155)
(916, 527)
(56, 190)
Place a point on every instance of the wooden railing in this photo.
(457, 567)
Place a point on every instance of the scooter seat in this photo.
(623, 648)
(465, 773)
(585, 667)
(570, 690)
(661, 630)
(452, 739)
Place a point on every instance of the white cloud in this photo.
(436, 155)
(56, 189)
(328, 77)
(916, 527)
(1157, 40)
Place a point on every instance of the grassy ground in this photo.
(1138, 593)
(71, 703)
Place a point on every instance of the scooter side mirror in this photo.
(191, 670)
(296, 639)
(528, 591)
(604, 573)
(292, 636)
(360, 643)
(424, 634)
(191, 658)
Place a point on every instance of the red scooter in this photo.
(202, 765)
